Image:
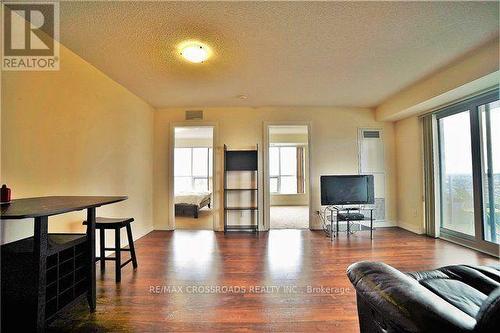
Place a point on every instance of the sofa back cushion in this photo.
(465, 287)
(461, 295)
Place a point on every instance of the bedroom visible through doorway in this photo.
(193, 177)
(289, 176)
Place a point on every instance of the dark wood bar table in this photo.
(25, 261)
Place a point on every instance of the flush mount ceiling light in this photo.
(195, 52)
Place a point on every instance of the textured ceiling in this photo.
(279, 53)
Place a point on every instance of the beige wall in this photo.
(470, 74)
(76, 132)
(409, 174)
(333, 144)
(474, 71)
(1, 116)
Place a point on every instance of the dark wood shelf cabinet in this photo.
(237, 163)
(43, 274)
(66, 276)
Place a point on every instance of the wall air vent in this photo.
(194, 115)
(371, 134)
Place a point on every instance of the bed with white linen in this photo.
(189, 203)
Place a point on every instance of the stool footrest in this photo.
(105, 258)
(113, 249)
(126, 262)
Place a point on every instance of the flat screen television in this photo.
(347, 190)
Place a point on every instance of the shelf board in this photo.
(51, 267)
(81, 280)
(65, 260)
(242, 227)
(51, 283)
(65, 275)
(51, 299)
(241, 208)
(66, 290)
(241, 150)
(65, 307)
(240, 189)
(241, 170)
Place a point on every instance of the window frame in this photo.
(485, 133)
(191, 173)
(280, 175)
(472, 105)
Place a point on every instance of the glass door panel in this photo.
(490, 148)
(457, 194)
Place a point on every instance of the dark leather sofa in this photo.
(454, 299)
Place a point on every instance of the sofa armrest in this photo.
(403, 303)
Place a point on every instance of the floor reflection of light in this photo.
(284, 253)
(193, 254)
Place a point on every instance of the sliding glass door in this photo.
(457, 192)
(490, 149)
(469, 172)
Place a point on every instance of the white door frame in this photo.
(267, 194)
(215, 172)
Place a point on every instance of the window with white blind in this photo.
(286, 165)
(192, 169)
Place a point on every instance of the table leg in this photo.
(118, 261)
(371, 224)
(91, 294)
(331, 227)
(337, 231)
(40, 244)
(102, 245)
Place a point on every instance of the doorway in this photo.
(193, 181)
(288, 176)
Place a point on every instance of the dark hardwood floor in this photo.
(298, 259)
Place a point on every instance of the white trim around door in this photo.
(267, 195)
(216, 179)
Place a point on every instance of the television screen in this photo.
(347, 190)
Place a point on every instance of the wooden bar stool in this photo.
(103, 223)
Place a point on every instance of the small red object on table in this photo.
(5, 194)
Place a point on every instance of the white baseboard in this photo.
(385, 224)
(143, 233)
(410, 227)
(162, 229)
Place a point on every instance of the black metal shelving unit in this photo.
(236, 161)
